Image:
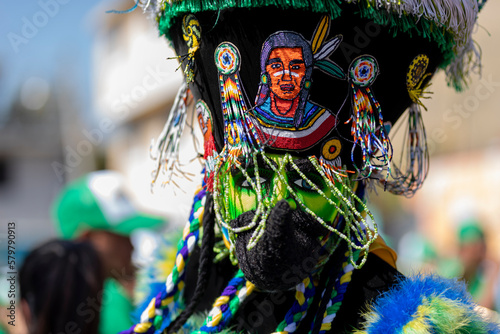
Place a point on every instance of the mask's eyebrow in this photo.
(304, 165)
(274, 60)
(248, 163)
(296, 61)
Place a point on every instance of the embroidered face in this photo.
(285, 116)
(286, 64)
(286, 69)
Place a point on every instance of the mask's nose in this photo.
(283, 193)
(287, 76)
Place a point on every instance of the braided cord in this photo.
(303, 298)
(163, 303)
(226, 306)
(337, 295)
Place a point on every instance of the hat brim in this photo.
(127, 226)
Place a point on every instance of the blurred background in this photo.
(82, 90)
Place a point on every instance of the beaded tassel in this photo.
(367, 121)
(408, 178)
(240, 137)
(407, 181)
(304, 293)
(166, 149)
(355, 224)
(209, 151)
(226, 306)
(159, 311)
(221, 205)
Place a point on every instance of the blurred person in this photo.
(96, 208)
(479, 272)
(59, 284)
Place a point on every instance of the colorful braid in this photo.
(337, 295)
(160, 307)
(226, 306)
(303, 298)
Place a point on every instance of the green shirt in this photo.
(116, 308)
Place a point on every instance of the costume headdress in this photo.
(328, 79)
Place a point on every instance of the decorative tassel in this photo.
(345, 201)
(240, 137)
(367, 127)
(408, 180)
(209, 150)
(166, 149)
(467, 61)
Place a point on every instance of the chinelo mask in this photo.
(296, 100)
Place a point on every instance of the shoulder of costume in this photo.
(426, 304)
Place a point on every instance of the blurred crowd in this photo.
(83, 281)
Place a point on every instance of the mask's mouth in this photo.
(287, 252)
(287, 87)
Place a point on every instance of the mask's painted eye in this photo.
(301, 183)
(246, 184)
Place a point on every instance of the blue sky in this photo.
(45, 38)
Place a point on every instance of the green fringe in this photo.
(422, 28)
(405, 23)
(182, 7)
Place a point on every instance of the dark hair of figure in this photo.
(58, 282)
